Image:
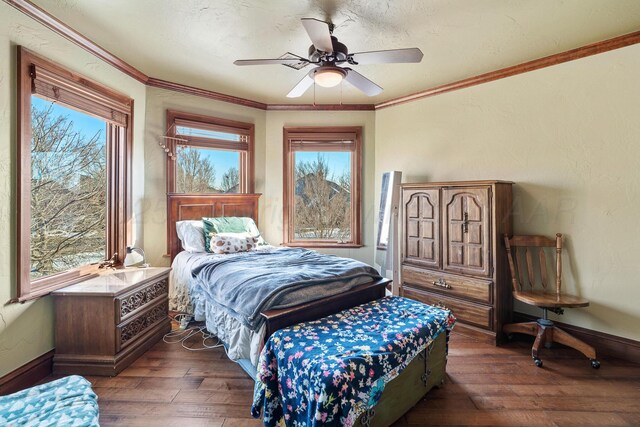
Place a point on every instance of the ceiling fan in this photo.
(326, 53)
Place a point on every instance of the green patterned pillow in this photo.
(229, 224)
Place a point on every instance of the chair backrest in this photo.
(527, 252)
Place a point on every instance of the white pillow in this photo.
(252, 229)
(229, 243)
(191, 234)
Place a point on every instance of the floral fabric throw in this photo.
(329, 371)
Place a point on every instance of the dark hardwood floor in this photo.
(486, 385)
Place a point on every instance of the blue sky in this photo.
(83, 123)
(339, 161)
(222, 161)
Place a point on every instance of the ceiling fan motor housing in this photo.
(339, 54)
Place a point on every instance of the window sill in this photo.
(45, 290)
(323, 245)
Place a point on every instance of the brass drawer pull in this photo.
(441, 283)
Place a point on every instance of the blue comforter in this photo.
(252, 282)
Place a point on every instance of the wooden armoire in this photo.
(453, 254)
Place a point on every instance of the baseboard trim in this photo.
(27, 375)
(605, 344)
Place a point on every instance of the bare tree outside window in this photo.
(322, 201)
(68, 189)
(213, 155)
(230, 181)
(195, 173)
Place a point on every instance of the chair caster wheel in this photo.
(538, 362)
(595, 364)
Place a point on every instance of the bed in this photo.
(243, 342)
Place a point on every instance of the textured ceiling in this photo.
(195, 42)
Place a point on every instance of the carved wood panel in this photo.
(422, 227)
(139, 325)
(466, 230)
(133, 302)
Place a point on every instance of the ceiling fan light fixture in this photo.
(329, 76)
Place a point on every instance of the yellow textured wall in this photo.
(569, 136)
(26, 330)
(155, 184)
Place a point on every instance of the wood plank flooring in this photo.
(487, 385)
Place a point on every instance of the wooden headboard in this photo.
(195, 206)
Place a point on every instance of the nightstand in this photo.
(106, 322)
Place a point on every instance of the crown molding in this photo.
(320, 107)
(178, 87)
(59, 27)
(525, 67)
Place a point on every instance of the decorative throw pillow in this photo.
(229, 243)
(191, 235)
(229, 224)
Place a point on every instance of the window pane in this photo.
(68, 188)
(204, 170)
(203, 133)
(322, 202)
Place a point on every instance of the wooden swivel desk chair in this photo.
(525, 289)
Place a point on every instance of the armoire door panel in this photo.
(455, 233)
(412, 228)
(427, 230)
(413, 248)
(427, 208)
(428, 250)
(422, 218)
(456, 254)
(475, 234)
(466, 227)
(473, 210)
(475, 258)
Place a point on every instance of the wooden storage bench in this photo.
(105, 323)
(408, 388)
(367, 365)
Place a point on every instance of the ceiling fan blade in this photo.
(302, 86)
(362, 83)
(388, 56)
(318, 33)
(283, 61)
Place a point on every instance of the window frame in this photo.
(318, 138)
(51, 81)
(246, 156)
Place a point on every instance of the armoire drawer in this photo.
(448, 284)
(467, 312)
